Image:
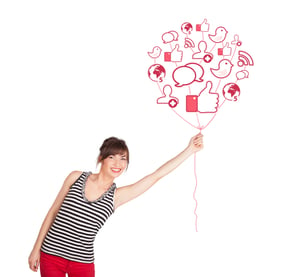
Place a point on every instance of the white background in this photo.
(75, 72)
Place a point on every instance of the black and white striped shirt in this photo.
(73, 231)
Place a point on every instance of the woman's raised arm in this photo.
(127, 193)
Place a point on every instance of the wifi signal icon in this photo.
(188, 43)
(244, 59)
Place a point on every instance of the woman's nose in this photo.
(116, 163)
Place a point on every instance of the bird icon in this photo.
(155, 52)
(219, 36)
(223, 70)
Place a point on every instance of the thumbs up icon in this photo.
(174, 56)
(225, 51)
(203, 27)
(208, 101)
(205, 102)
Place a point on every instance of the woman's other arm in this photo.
(34, 257)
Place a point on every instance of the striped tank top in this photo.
(74, 229)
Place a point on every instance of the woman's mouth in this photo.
(116, 169)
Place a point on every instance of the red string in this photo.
(194, 194)
(195, 164)
(185, 119)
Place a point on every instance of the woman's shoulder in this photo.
(75, 174)
(73, 177)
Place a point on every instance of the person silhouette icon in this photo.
(203, 54)
(167, 97)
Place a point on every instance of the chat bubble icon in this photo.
(174, 34)
(242, 74)
(198, 70)
(169, 37)
(187, 74)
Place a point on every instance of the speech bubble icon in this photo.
(170, 36)
(174, 34)
(187, 74)
(242, 74)
(183, 76)
(198, 70)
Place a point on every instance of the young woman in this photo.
(85, 201)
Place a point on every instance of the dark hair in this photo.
(112, 146)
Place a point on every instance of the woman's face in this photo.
(114, 165)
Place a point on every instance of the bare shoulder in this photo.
(71, 178)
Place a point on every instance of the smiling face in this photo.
(113, 156)
(114, 165)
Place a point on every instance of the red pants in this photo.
(53, 266)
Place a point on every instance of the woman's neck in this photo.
(103, 180)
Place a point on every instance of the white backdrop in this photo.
(75, 72)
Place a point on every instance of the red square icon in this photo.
(192, 103)
(167, 56)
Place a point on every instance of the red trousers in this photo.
(53, 266)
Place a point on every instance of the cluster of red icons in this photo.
(200, 58)
(201, 66)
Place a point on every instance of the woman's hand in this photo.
(196, 143)
(34, 260)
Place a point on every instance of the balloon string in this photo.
(195, 165)
(209, 121)
(160, 88)
(175, 111)
(185, 119)
(233, 53)
(218, 87)
(194, 194)
(197, 115)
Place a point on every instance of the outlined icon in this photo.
(156, 73)
(219, 36)
(174, 56)
(231, 92)
(167, 97)
(223, 70)
(240, 75)
(169, 37)
(187, 28)
(203, 54)
(189, 43)
(155, 53)
(187, 74)
(206, 102)
(244, 59)
(203, 27)
(225, 51)
(236, 41)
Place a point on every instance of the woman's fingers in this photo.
(34, 264)
(198, 139)
(198, 142)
